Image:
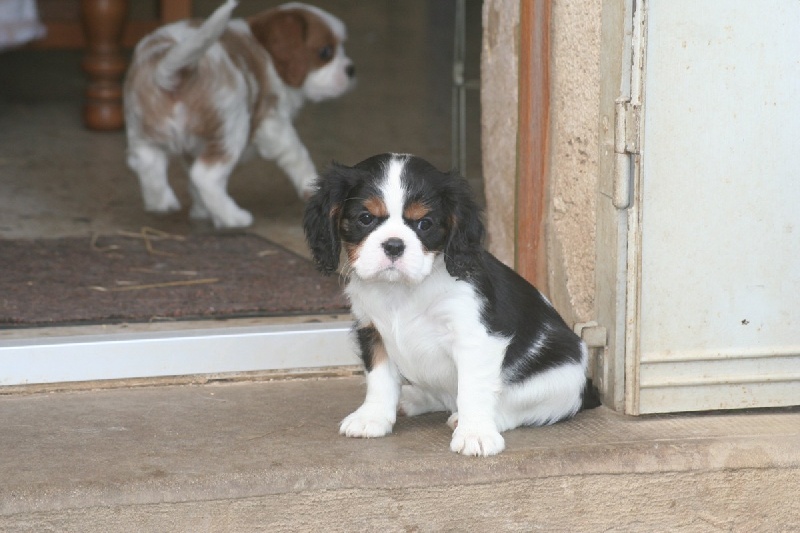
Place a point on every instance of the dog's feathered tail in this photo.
(189, 51)
(590, 397)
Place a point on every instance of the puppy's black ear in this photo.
(322, 214)
(462, 254)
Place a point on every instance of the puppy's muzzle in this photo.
(393, 248)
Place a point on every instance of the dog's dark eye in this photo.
(326, 53)
(424, 224)
(366, 219)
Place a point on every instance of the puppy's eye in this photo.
(424, 224)
(366, 219)
(326, 53)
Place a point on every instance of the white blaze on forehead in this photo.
(415, 262)
(392, 188)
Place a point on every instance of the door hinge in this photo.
(626, 135)
(626, 143)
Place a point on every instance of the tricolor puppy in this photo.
(437, 312)
(210, 90)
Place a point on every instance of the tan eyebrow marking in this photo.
(376, 207)
(415, 211)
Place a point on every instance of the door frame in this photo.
(533, 142)
(86, 356)
(35, 349)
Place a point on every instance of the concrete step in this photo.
(267, 457)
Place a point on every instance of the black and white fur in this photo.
(436, 311)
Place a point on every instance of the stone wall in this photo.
(574, 115)
(499, 87)
(574, 152)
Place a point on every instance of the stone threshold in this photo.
(77, 454)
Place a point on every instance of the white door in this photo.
(710, 310)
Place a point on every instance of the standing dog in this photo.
(435, 309)
(209, 90)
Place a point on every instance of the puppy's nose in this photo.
(350, 70)
(394, 248)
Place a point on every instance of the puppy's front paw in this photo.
(233, 217)
(477, 440)
(366, 422)
(161, 201)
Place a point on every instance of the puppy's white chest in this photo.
(420, 326)
(422, 348)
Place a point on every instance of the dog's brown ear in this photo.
(322, 215)
(283, 33)
(462, 253)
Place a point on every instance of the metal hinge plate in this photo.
(626, 138)
(627, 118)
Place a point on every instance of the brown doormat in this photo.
(155, 276)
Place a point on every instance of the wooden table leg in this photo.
(103, 22)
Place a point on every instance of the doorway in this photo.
(63, 183)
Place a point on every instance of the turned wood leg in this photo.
(103, 22)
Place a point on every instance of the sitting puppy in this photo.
(435, 309)
(209, 90)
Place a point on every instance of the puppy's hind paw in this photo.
(414, 401)
(366, 423)
(477, 441)
(307, 192)
(452, 421)
(199, 212)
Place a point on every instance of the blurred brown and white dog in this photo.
(209, 90)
